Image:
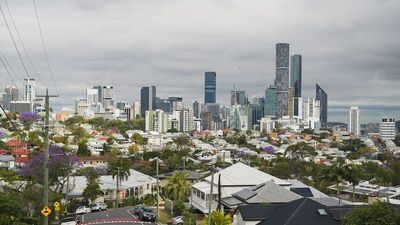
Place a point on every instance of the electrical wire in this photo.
(23, 45)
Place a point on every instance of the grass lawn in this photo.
(164, 217)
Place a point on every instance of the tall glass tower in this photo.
(147, 99)
(282, 79)
(295, 75)
(322, 96)
(210, 87)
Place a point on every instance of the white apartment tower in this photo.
(387, 128)
(354, 121)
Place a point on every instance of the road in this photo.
(121, 216)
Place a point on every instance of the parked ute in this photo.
(82, 210)
(98, 206)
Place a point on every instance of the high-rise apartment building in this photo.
(210, 87)
(176, 102)
(30, 90)
(354, 121)
(147, 99)
(270, 101)
(282, 79)
(136, 109)
(387, 128)
(322, 96)
(296, 74)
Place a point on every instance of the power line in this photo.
(4, 62)
(15, 44)
(23, 45)
(44, 46)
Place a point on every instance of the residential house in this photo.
(7, 162)
(232, 179)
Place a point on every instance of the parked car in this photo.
(176, 220)
(138, 209)
(98, 206)
(82, 210)
(69, 221)
(147, 214)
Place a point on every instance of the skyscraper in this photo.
(295, 75)
(105, 95)
(210, 87)
(282, 79)
(354, 121)
(238, 97)
(11, 94)
(322, 96)
(92, 96)
(270, 102)
(147, 99)
(30, 90)
(197, 107)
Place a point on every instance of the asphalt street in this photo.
(121, 216)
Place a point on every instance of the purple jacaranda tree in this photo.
(60, 166)
(29, 117)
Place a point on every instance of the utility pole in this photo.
(211, 197)
(46, 154)
(158, 192)
(117, 198)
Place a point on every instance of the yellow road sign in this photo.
(46, 211)
(56, 204)
(57, 208)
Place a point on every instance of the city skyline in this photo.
(353, 71)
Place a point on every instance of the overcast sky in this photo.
(351, 48)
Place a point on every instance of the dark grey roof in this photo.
(231, 202)
(303, 191)
(266, 192)
(301, 212)
(256, 212)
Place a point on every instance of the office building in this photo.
(387, 128)
(20, 106)
(163, 104)
(176, 102)
(81, 106)
(297, 107)
(210, 87)
(92, 96)
(295, 74)
(11, 93)
(136, 109)
(214, 109)
(147, 99)
(270, 102)
(197, 108)
(282, 79)
(354, 121)
(186, 120)
(311, 113)
(105, 95)
(256, 114)
(121, 105)
(238, 97)
(322, 96)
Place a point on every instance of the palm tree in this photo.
(178, 186)
(335, 173)
(119, 167)
(352, 173)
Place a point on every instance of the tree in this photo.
(11, 210)
(177, 187)
(335, 173)
(92, 190)
(377, 213)
(352, 173)
(300, 151)
(137, 138)
(218, 218)
(121, 165)
(397, 140)
(74, 120)
(188, 218)
(83, 148)
(133, 149)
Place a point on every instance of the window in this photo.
(148, 186)
(202, 195)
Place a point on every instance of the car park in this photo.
(98, 206)
(82, 210)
